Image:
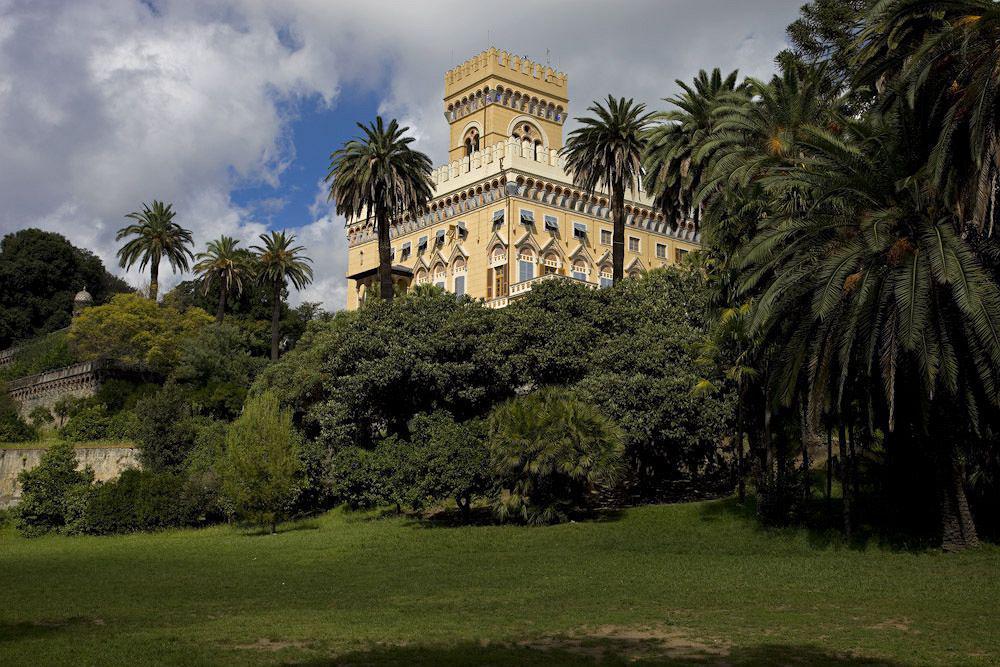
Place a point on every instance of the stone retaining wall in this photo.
(106, 462)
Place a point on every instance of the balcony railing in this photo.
(525, 286)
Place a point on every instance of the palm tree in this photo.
(939, 57)
(606, 152)
(872, 288)
(279, 262)
(673, 166)
(156, 236)
(378, 176)
(222, 263)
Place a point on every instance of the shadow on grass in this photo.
(824, 523)
(14, 632)
(289, 527)
(603, 653)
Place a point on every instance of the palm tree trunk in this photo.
(154, 277)
(958, 530)
(384, 257)
(741, 485)
(275, 317)
(845, 484)
(618, 236)
(221, 310)
(829, 464)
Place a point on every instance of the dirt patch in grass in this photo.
(272, 645)
(633, 643)
(900, 624)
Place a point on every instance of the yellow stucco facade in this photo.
(505, 214)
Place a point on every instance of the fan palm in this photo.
(280, 262)
(672, 174)
(378, 176)
(223, 265)
(606, 152)
(873, 286)
(941, 56)
(156, 236)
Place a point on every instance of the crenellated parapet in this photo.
(516, 69)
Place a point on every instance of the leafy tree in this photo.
(155, 236)
(40, 272)
(262, 468)
(550, 452)
(278, 262)
(449, 458)
(673, 440)
(606, 152)
(824, 35)
(223, 267)
(40, 416)
(368, 372)
(12, 427)
(379, 176)
(135, 330)
(48, 492)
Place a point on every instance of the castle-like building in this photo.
(505, 214)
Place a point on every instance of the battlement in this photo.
(516, 69)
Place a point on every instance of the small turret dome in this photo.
(82, 300)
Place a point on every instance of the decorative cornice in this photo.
(528, 187)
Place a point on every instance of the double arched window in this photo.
(471, 141)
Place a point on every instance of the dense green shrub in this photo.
(140, 500)
(12, 427)
(357, 478)
(261, 468)
(165, 433)
(52, 492)
(90, 423)
(119, 394)
(39, 355)
(15, 429)
(550, 452)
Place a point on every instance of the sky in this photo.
(229, 109)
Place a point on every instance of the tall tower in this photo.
(496, 95)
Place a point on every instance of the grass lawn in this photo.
(681, 584)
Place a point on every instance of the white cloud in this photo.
(106, 104)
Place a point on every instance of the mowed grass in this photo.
(683, 584)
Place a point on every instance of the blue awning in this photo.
(579, 229)
(498, 216)
(527, 218)
(551, 223)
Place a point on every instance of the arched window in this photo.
(439, 275)
(606, 276)
(471, 141)
(551, 263)
(421, 276)
(458, 271)
(580, 270)
(525, 264)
